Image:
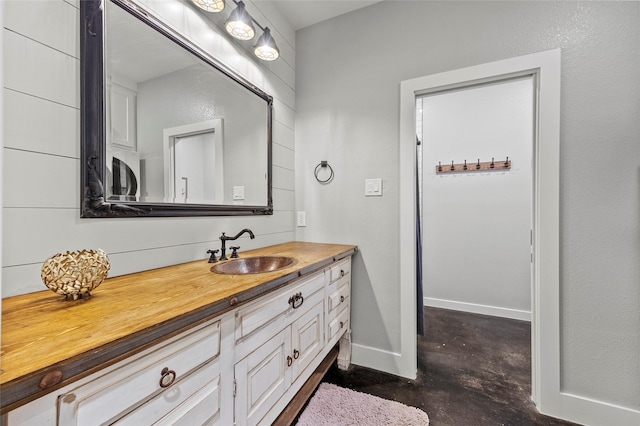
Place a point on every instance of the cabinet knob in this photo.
(341, 324)
(296, 354)
(289, 361)
(168, 377)
(341, 299)
(52, 378)
(342, 272)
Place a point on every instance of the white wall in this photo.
(42, 147)
(347, 107)
(1, 136)
(476, 225)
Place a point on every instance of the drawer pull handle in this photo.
(341, 324)
(289, 361)
(342, 272)
(168, 377)
(293, 300)
(296, 354)
(341, 299)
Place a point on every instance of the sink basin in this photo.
(253, 265)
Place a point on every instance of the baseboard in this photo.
(377, 359)
(478, 309)
(591, 412)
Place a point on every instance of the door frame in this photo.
(170, 134)
(545, 310)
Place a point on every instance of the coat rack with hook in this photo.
(477, 166)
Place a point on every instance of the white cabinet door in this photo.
(307, 339)
(122, 117)
(262, 378)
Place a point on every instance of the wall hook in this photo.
(479, 166)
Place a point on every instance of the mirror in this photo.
(166, 129)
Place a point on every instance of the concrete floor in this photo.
(472, 370)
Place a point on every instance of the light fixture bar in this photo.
(240, 26)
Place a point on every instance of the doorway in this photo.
(194, 163)
(545, 313)
(476, 222)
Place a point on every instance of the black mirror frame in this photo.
(92, 119)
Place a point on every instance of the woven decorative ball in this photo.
(75, 274)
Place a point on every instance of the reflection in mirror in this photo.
(182, 135)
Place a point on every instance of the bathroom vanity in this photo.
(178, 345)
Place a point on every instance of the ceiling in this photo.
(302, 13)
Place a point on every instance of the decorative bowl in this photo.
(75, 274)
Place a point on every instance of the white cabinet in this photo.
(122, 116)
(242, 367)
(178, 378)
(338, 314)
(290, 321)
(146, 389)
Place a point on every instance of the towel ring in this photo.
(320, 166)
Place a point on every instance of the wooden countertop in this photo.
(41, 332)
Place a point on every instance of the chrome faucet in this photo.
(224, 239)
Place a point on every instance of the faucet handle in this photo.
(212, 258)
(234, 253)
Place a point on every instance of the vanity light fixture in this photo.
(241, 26)
(266, 48)
(214, 6)
(240, 23)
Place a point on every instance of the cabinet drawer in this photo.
(340, 269)
(193, 401)
(338, 299)
(338, 325)
(115, 394)
(256, 315)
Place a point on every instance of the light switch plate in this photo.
(373, 187)
(238, 192)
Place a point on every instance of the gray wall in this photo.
(347, 96)
(42, 147)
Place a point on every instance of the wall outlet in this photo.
(302, 219)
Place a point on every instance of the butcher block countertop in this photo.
(44, 335)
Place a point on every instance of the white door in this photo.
(194, 165)
(477, 225)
